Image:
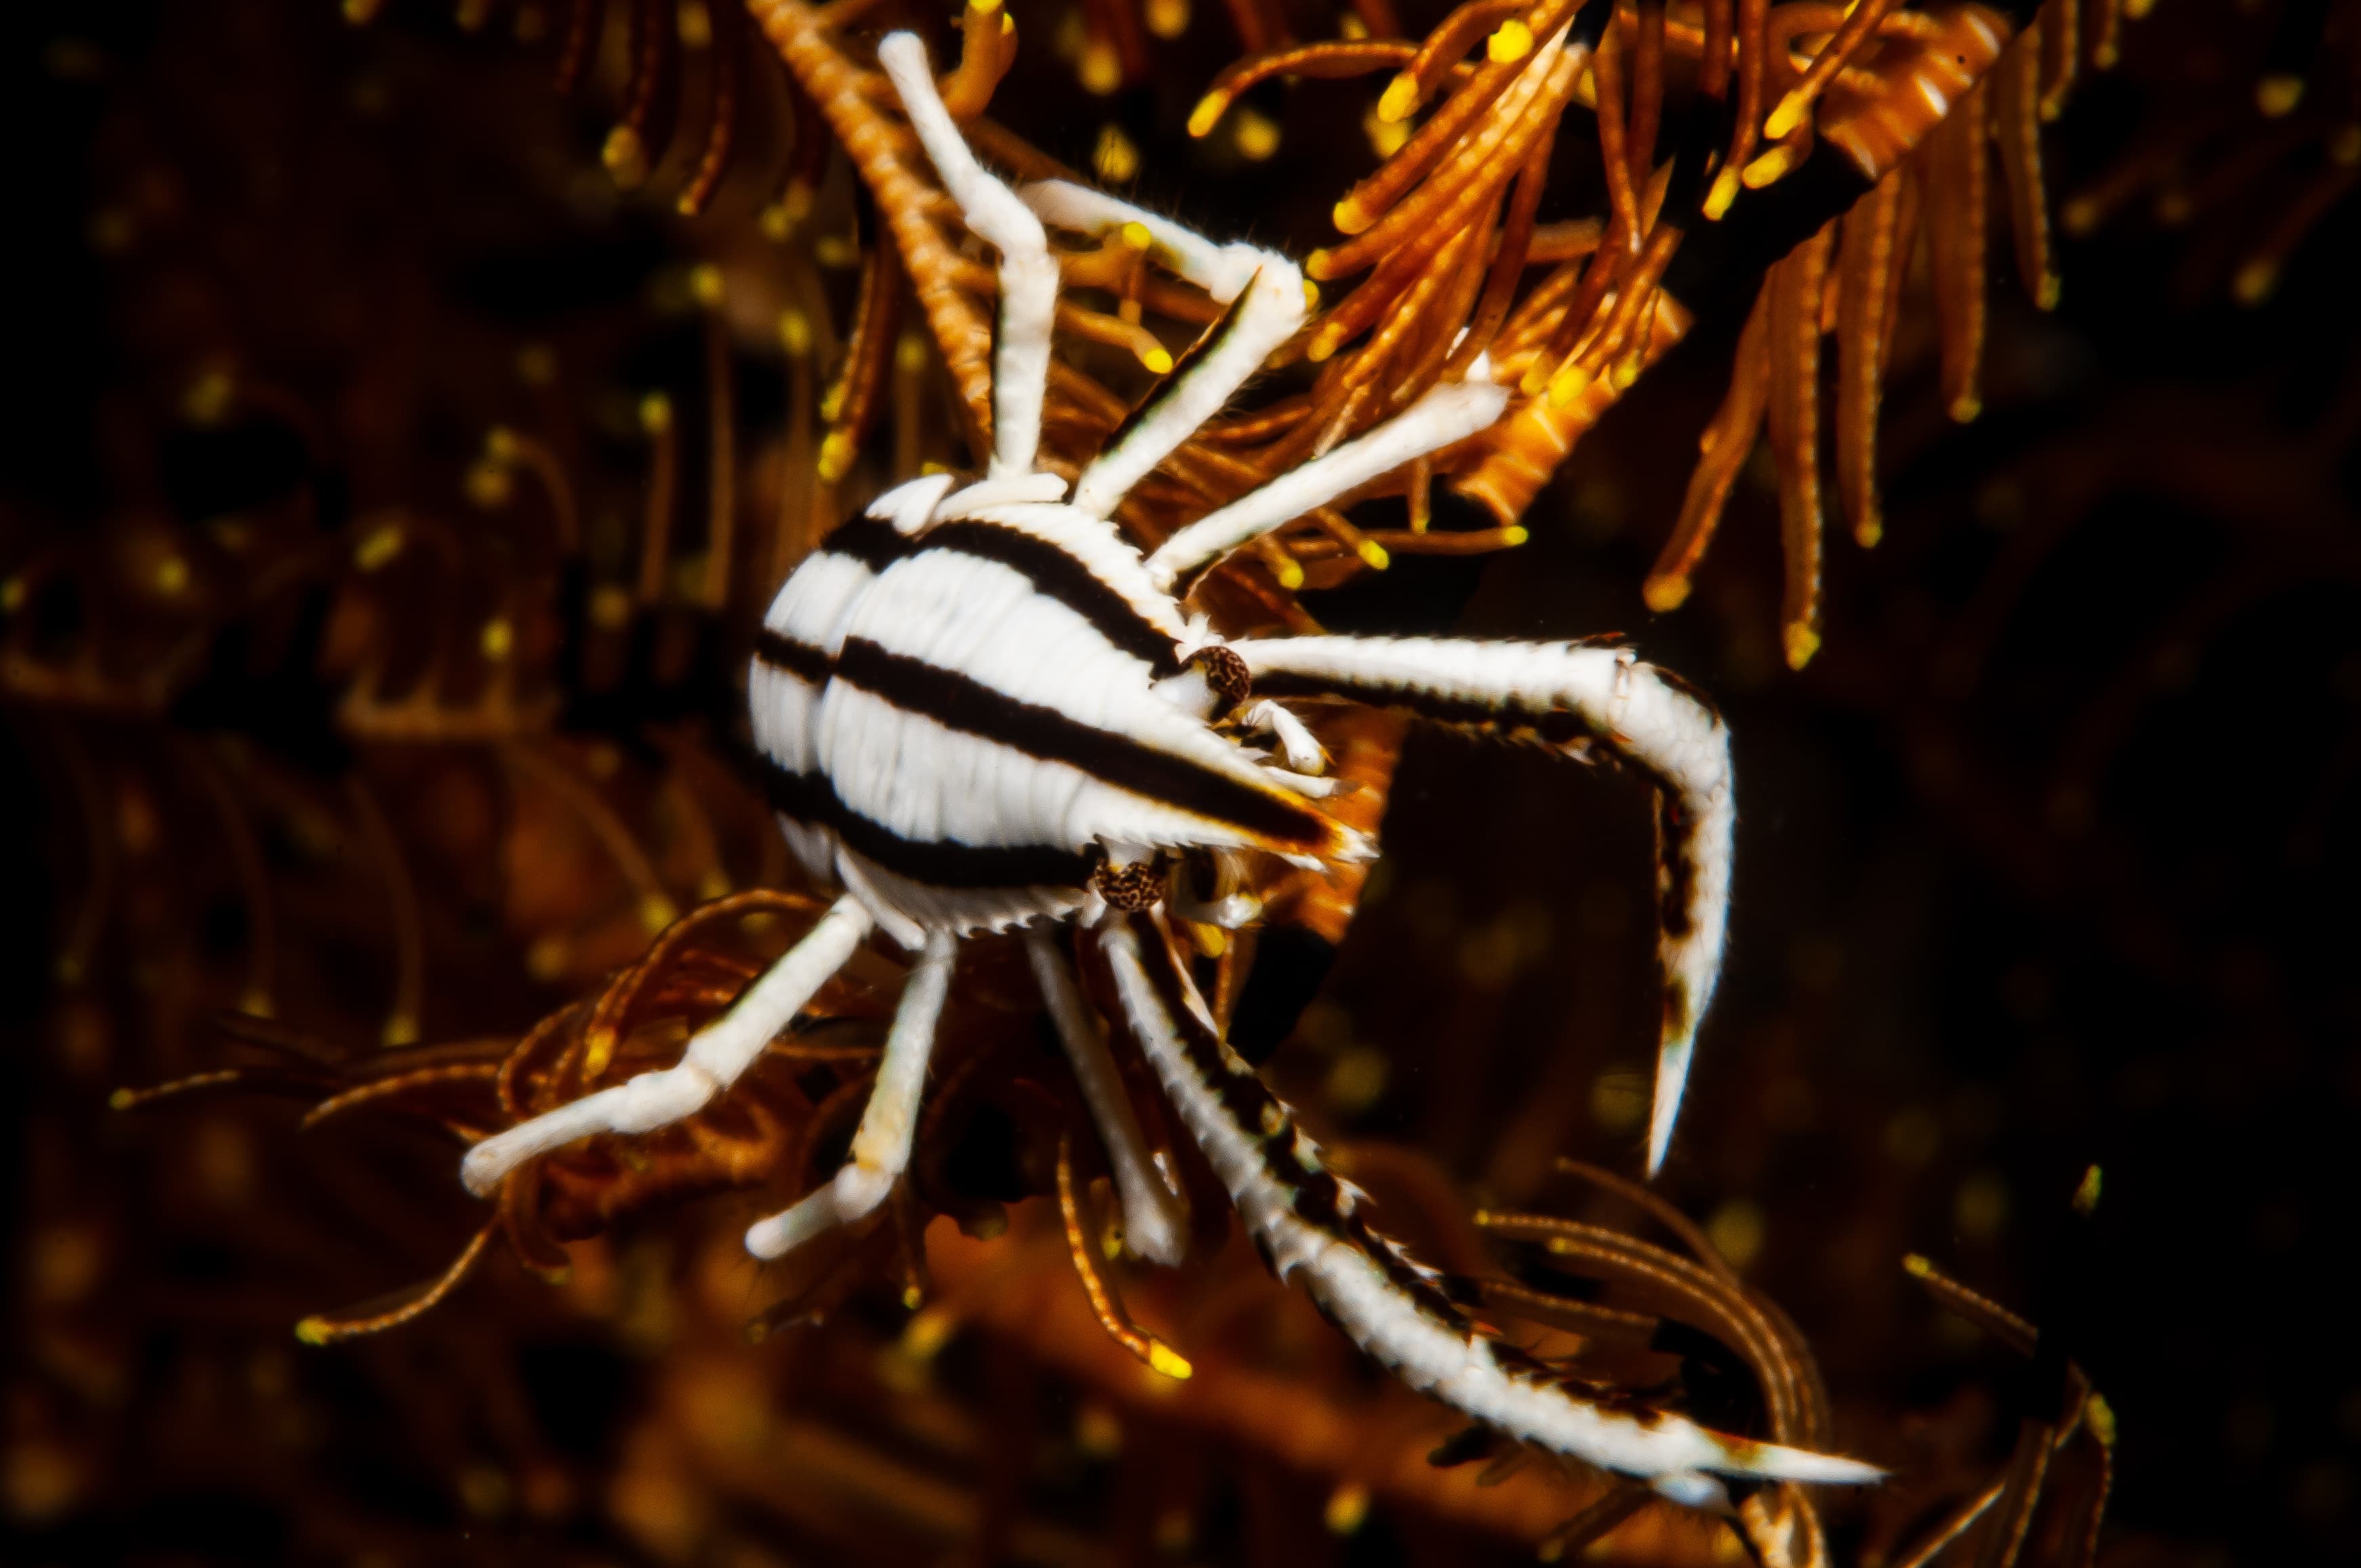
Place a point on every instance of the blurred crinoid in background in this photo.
(404, 424)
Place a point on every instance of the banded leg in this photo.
(1264, 290)
(715, 1057)
(881, 1148)
(1449, 413)
(1307, 1226)
(1573, 697)
(1029, 273)
(1154, 1226)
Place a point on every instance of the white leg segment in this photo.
(881, 1148)
(1264, 289)
(1029, 273)
(1585, 697)
(1676, 1455)
(1451, 412)
(1154, 1226)
(715, 1057)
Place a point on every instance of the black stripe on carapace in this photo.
(1316, 1196)
(959, 703)
(1181, 368)
(1558, 727)
(1058, 576)
(801, 660)
(812, 800)
(873, 542)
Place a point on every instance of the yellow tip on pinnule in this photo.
(913, 1298)
(1316, 265)
(656, 414)
(1163, 1358)
(1137, 235)
(2107, 57)
(1566, 386)
(983, 8)
(625, 156)
(1348, 217)
(1626, 371)
(1324, 343)
(1373, 554)
(122, 1100)
(1516, 533)
(1666, 593)
(1916, 1265)
(705, 284)
(381, 545)
(1767, 169)
(2254, 282)
(1966, 408)
(2045, 296)
(1158, 361)
(835, 457)
(1311, 295)
(1512, 41)
(1724, 192)
(1101, 69)
(2079, 215)
(315, 1331)
(1869, 533)
(1399, 102)
(1802, 644)
(2278, 95)
(2137, 10)
(1784, 119)
(1290, 576)
(1257, 136)
(1208, 113)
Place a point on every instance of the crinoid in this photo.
(980, 707)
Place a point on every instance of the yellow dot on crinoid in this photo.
(1257, 136)
(694, 26)
(1163, 1358)
(378, 546)
(171, 575)
(1347, 1510)
(1115, 158)
(1515, 534)
(911, 354)
(656, 414)
(835, 457)
(794, 333)
(1289, 575)
(1373, 554)
(1101, 68)
(1137, 235)
(705, 284)
(1168, 19)
(1208, 113)
(983, 8)
(498, 639)
(488, 484)
(1567, 385)
(315, 1330)
(1511, 41)
(1802, 643)
(2277, 95)
(1158, 360)
(625, 156)
(1399, 100)
(1785, 118)
(1665, 594)
(1724, 192)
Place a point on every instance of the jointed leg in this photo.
(1264, 290)
(1154, 1226)
(1451, 412)
(1029, 273)
(881, 1148)
(1576, 697)
(715, 1057)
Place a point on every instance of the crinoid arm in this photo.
(1029, 273)
(1311, 1229)
(1584, 700)
(881, 1148)
(1448, 414)
(716, 1059)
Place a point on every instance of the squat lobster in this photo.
(981, 708)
